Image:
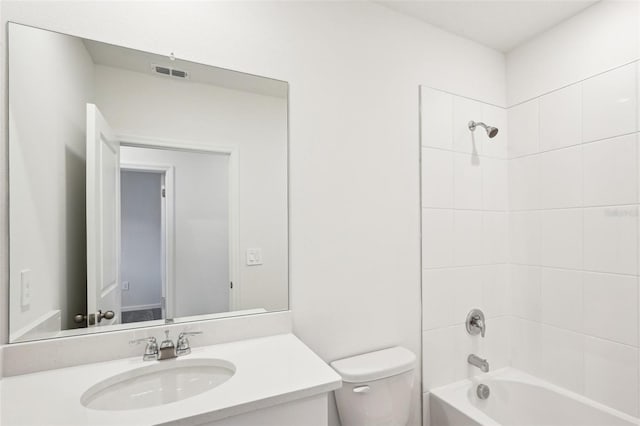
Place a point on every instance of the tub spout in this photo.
(476, 361)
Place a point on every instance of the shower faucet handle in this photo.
(475, 323)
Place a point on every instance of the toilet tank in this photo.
(377, 388)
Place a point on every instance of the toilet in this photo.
(377, 387)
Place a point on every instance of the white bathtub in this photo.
(518, 399)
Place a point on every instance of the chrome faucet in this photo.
(475, 323)
(476, 361)
(167, 349)
(182, 346)
(151, 350)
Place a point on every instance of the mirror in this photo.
(143, 189)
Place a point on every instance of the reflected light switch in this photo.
(25, 288)
(254, 256)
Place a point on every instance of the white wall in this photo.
(604, 36)
(201, 226)
(151, 106)
(141, 240)
(47, 155)
(354, 70)
(464, 236)
(573, 195)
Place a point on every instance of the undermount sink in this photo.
(162, 383)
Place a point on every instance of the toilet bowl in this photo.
(377, 388)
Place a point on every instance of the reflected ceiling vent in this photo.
(169, 71)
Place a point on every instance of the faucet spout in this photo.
(476, 361)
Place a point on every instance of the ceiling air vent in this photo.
(169, 72)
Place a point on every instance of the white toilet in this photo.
(377, 388)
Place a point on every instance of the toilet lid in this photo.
(375, 365)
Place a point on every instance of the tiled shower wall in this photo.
(541, 233)
(573, 201)
(465, 229)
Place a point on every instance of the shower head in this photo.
(491, 131)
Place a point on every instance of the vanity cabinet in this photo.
(308, 412)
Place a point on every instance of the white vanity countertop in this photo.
(269, 371)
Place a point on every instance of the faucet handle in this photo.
(151, 351)
(188, 333)
(182, 345)
(475, 323)
(149, 340)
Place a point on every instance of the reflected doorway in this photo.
(143, 243)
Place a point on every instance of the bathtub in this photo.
(518, 399)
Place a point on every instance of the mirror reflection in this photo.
(143, 188)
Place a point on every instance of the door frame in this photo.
(235, 293)
(168, 227)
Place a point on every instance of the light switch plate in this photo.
(125, 285)
(25, 288)
(254, 256)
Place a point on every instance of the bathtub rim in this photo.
(455, 395)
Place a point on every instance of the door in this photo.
(103, 221)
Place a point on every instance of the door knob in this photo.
(80, 318)
(106, 315)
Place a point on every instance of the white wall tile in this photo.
(523, 129)
(437, 118)
(611, 374)
(609, 104)
(495, 238)
(526, 343)
(448, 294)
(524, 183)
(468, 292)
(561, 118)
(437, 238)
(611, 171)
(497, 117)
(561, 238)
(562, 298)
(467, 237)
(437, 178)
(611, 307)
(445, 352)
(610, 239)
(561, 178)
(563, 358)
(494, 184)
(526, 292)
(438, 296)
(467, 181)
(496, 290)
(495, 345)
(464, 140)
(524, 237)
(465, 243)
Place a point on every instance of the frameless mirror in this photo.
(143, 189)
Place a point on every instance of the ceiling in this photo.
(501, 25)
(139, 61)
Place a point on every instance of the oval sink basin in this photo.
(162, 383)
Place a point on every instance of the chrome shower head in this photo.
(491, 131)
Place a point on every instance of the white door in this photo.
(103, 221)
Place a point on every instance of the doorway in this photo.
(144, 235)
